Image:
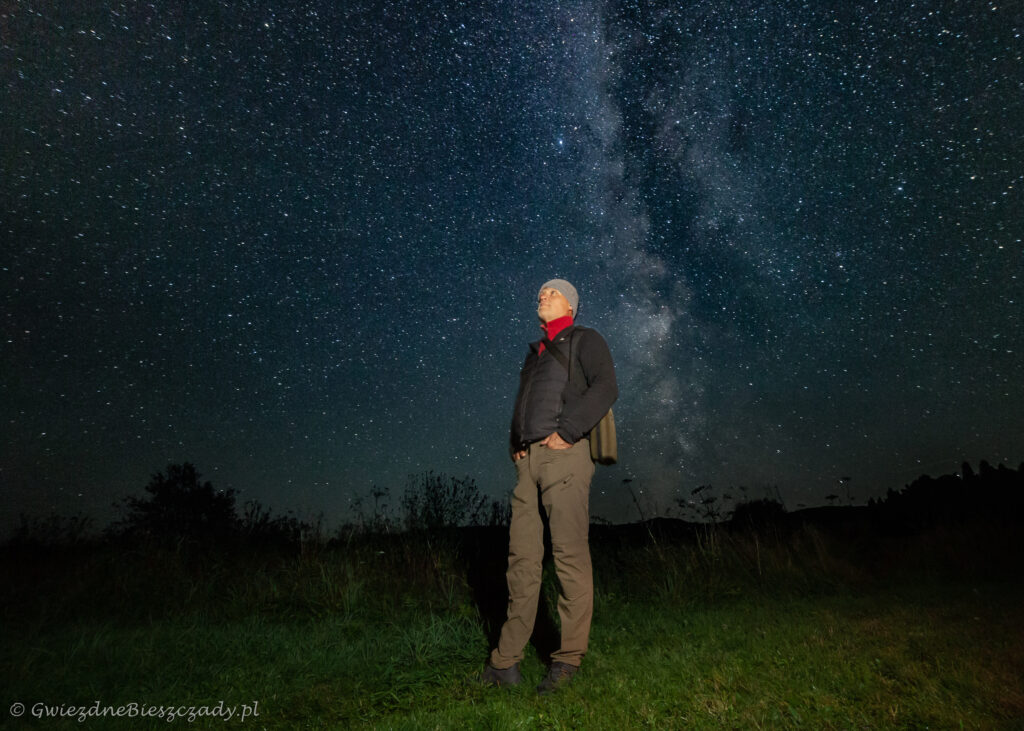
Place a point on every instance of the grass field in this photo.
(716, 632)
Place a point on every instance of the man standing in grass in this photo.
(553, 415)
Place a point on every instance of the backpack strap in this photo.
(558, 354)
(562, 358)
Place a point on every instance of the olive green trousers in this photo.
(559, 482)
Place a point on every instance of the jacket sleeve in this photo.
(514, 437)
(583, 409)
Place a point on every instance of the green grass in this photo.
(389, 636)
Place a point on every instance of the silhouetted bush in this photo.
(52, 532)
(758, 514)
(258, 525)
(380, 522)
(433, 501)
(179, 506)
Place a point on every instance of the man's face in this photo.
(552, 304)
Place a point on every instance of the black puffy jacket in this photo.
(546, 402)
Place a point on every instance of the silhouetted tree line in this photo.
(993, 492)
(179, 507)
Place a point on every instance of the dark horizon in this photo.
(987, 491)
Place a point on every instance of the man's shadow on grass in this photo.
(486, 560)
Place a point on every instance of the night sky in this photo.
(300, 247)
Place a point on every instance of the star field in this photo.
(300, 247)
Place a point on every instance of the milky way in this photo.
(300, 248)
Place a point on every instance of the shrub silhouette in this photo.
(433, 501)
(179, 506)
(758, 513)
(259, 526)
(52, 531)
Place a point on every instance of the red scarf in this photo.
(551, 329)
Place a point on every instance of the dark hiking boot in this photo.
(505, 676)
(559, 675)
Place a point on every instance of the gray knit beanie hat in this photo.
(568, 291)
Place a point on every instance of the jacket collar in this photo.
(552, 330)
